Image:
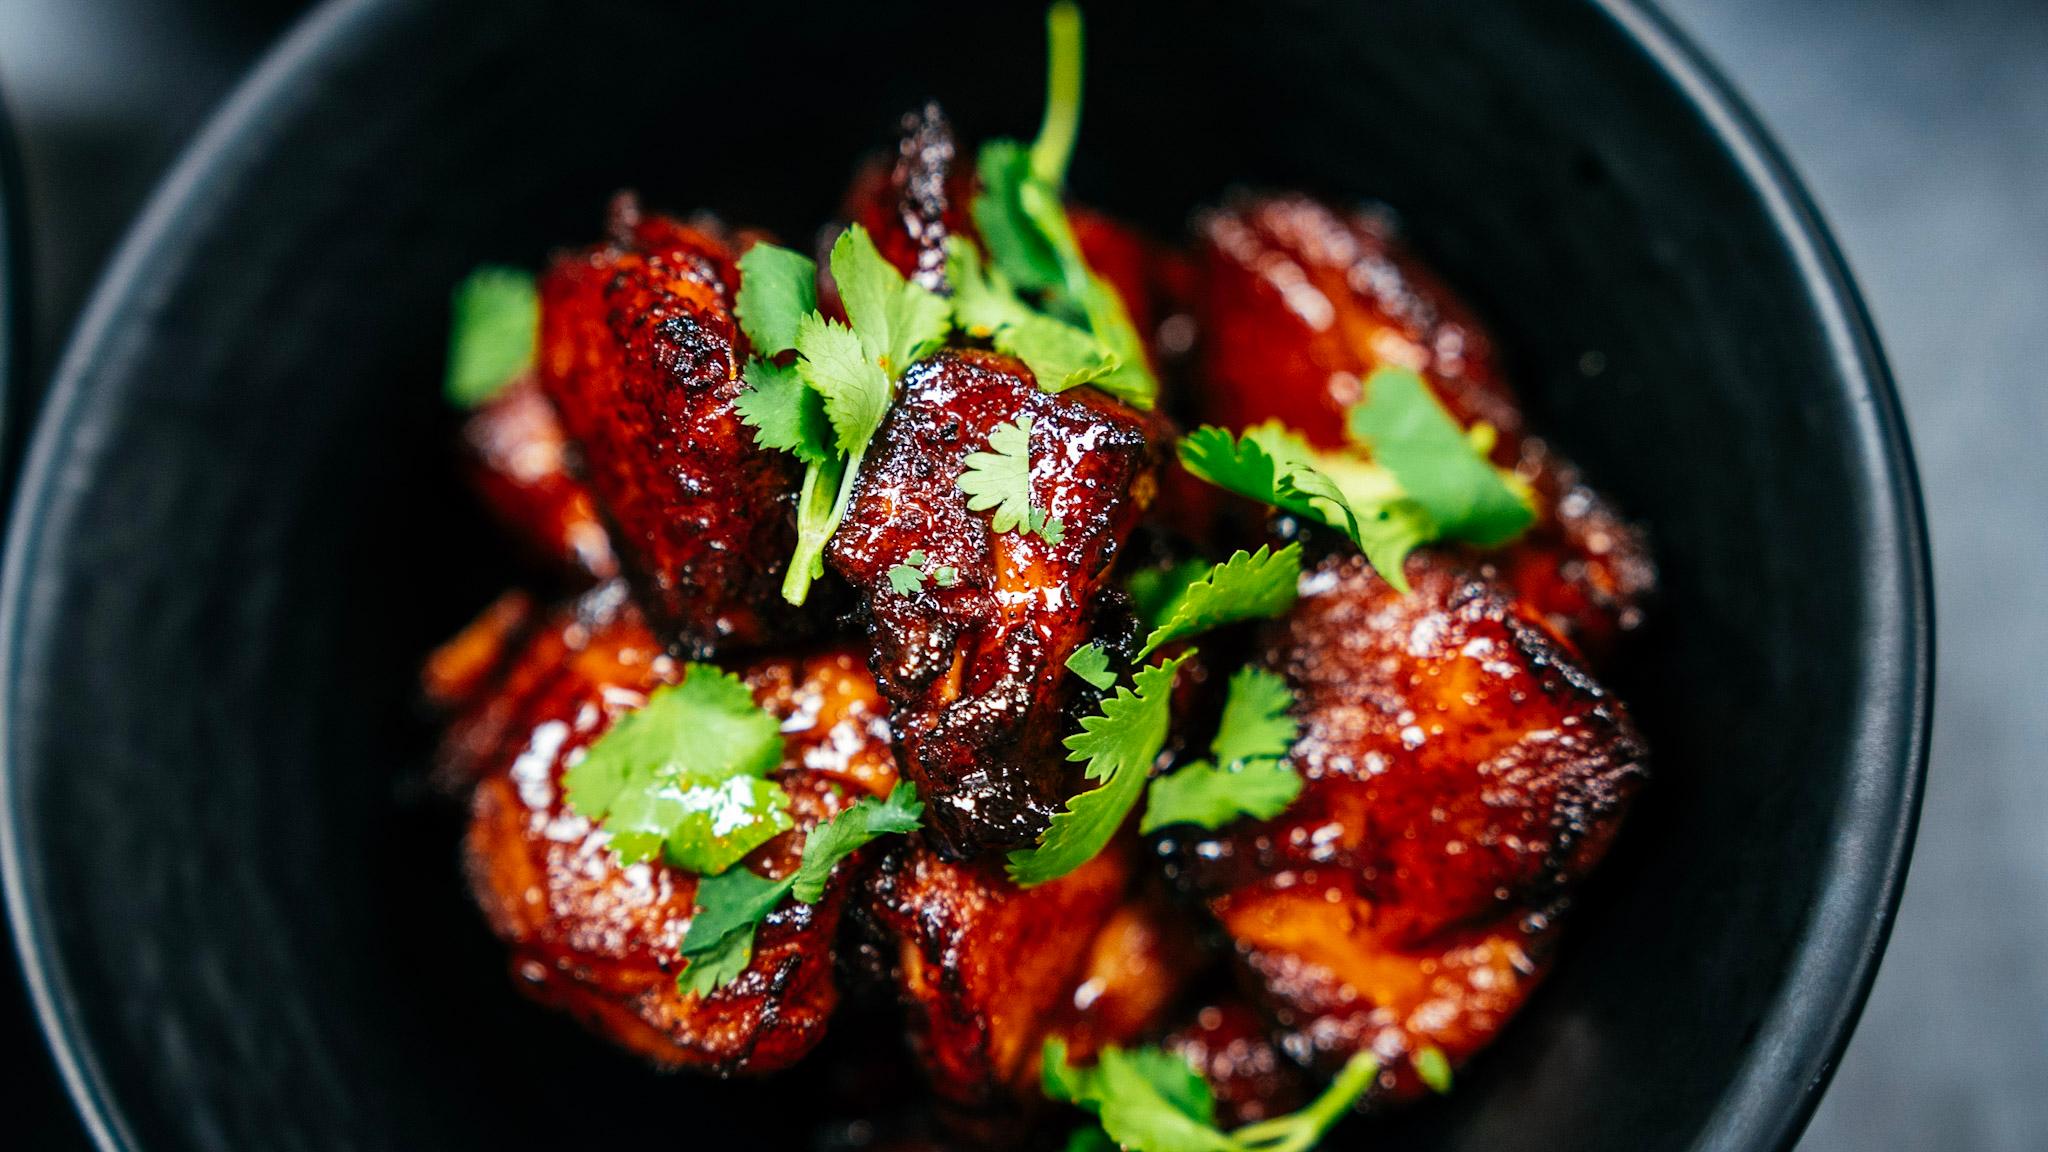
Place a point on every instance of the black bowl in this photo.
(241, 914)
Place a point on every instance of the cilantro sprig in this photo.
(1151, 1100)
(1118, 745)
(730, 907)
(686, 775)
(1425, 479)
(825, 405)
(1247, 773)
(496, 320)
(1075, 329)
(1000, 480)
(1247, 586)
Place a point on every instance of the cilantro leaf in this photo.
(1015, 245)
(945, 575)
(905, 580)
(898, 321)
(491, 340)
(778, 287)
(730, 907)
(1150, 1100)
(1000, 479)
(1410, 433)
(1271, 465)
(720, 941)
(1434, 1069)
(865, 821)
(1064, 50)
(1210, 796)
(1060, 355)
(1248, 776)
(784, 412)
(1248, 586)
(1118, 744)
(685, 775)
(854, 388)
(1154, 590)
(1091, 664)
(1255, 723)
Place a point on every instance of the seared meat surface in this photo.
(640, 353)
(988, 971)
(1231, 1044)
(601, 940)
(1462, 771)
(976, 671)
(518, 462)
(1299, 303)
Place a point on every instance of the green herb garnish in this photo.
(1247, 773)
(491, 341)
(685, 775)
(1091, 664)
(1434, 1069)
(1150, 1100)
(731, 906)
(1437, 464)
(1000, 479)
(1118, 744)
(1248, 586)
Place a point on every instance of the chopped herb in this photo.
(1248, 586)
(730, 907)
(1434, 1068)
(1091, 663)
(491, 340)
(778, 287)
(784, 412)
(1154, 590)
(916, 557)
(1118, 744)
(945, 575)
(1248, 775)
(851, 369)
(1151, 1100)
(905, 580)
(1060, 355)
(685, 775)
(1436, 462)
(1000, 479)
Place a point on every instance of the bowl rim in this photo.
(1808, 1024)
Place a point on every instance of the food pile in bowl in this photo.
(1155, 688)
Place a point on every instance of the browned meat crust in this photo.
(641, 356)
(977, 670)
(602, 941)
(518, 463)
(1462, 771)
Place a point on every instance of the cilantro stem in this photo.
(816, 520)
(1056, 134)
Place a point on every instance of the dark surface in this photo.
(1924, 132)
(238, 537)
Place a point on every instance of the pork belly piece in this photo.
(641, 355)
(1462, 773)
(517, 459)
(603, 941)
(976, 671)
(1299, 303)
(988, 971)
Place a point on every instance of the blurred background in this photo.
(1922, 130)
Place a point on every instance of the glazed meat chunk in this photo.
(1300, 303)
(976, 667)
(640, 354)
(603, 941)
(988, 970)
(1462, 772)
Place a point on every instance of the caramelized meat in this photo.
(640, 354)
(1299, 304)
(1462, 772)
(988, 970)
(602, 941)
(977, 670)
(1231, 1044)
(518, 462)
(911, 206)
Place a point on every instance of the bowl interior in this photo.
(243, 530)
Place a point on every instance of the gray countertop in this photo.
(1922, 130)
